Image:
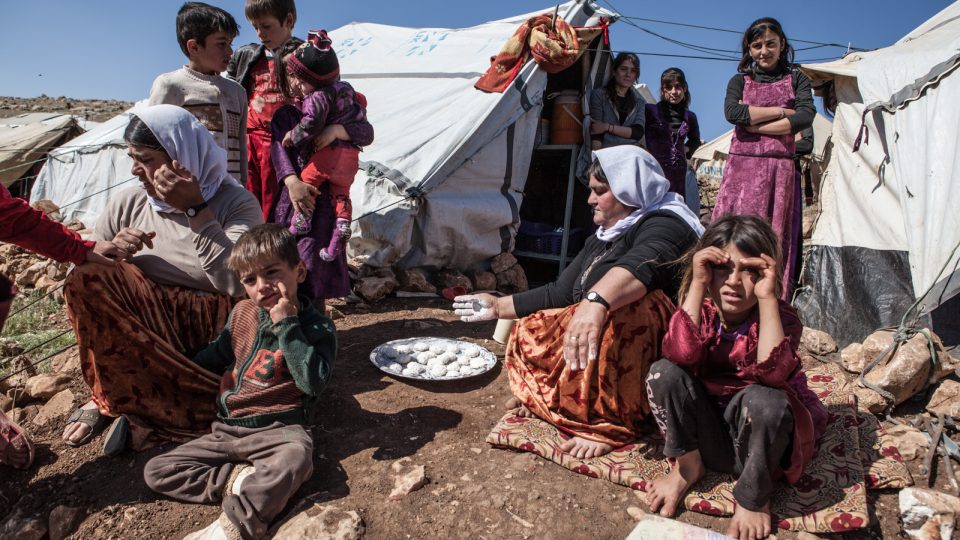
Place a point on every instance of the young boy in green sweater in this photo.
(275, 355)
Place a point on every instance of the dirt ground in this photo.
(370, 421)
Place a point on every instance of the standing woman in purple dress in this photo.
(768, 101)
(673, 133)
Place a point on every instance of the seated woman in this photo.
(579, 356)
(138, 323)
(617, 111)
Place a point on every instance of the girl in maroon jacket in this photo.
(730, 394)
(31, 229)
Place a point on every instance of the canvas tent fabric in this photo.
(26, 138)
(889, 227)
(442, 184)
(81, 176)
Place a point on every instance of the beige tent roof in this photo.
(26, 138)
(719, 147)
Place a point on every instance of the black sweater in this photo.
(739, 114)
(646, 250)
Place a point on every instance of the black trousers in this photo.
(751, 438)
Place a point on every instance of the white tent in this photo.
(81, 175)
(889, 225)
(443, 180)
(26, 138)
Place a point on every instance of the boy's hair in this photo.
(751, 235)
(263, 243)
(278, 9)
(197, 20)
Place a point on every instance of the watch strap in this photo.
(194, 210)
(594, 296)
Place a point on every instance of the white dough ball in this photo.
(438, 348)
(471, 352)
(438, 371)
(447, 358)
(403, 349)
(453, 348)
(465, 370)
(478, 363)
(388, 352)
(424, 357)
(404, 359)
(434, 361)
(421, 346)
(415, 369)
(395, 367)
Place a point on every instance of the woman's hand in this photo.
(105, 252)
(303, 196)
(130, 241)
(476, 307)
(581, 341)
(287, 141)
(177, 186)
(597, 127)
(766, 286)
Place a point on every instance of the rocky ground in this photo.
(97, 110)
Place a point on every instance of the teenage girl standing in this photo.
(768, 101)
(673, 133)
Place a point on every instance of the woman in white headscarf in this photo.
(139, 323)
(579, 356)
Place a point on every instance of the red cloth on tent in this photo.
(554, 44)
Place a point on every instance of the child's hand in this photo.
(766, 286)
(287, 140)
(285, 307)
(333, 132)
(703, 263)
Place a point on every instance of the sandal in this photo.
(115, 441)
(16, 449)
(92, 418)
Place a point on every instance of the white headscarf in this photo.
(186, 140)
(637, 180)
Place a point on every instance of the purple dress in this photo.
(324, 279)
(760, 178)
(667, 146)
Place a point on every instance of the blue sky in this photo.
(114, 49)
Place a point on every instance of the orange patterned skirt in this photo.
(607, 402)
(135, 339)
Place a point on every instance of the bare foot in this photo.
(521, 410)
(581, 448)
(749, 525)
(667, 491)
(78, 430)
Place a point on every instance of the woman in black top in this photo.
(579, 356)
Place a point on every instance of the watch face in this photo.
(592, 295)
(191, 212)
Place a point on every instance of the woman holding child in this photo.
(137, 323)
(579, 355)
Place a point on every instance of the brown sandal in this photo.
(90, 417)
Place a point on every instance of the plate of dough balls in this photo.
(432, 358)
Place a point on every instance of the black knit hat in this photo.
(315, 61)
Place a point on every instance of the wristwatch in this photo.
(594, 296)
(194, 210)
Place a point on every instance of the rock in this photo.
(946, 399)
(319, 521)
(482, 281)
(512, 280)
(453, 278)
(59, 405)
(928, 515)
(409, 478)
(29, 275)
(48, 207)
(67, 362)
(909, 441)
(44, 283)
(816, 342)
(501, 262)
(852, 358)
(9, 347)
(908, 370)
(334, 313)
(384, 272)
(75, 225)
(869, 401)
(415, 280)
(20, 527)
(46, 386)
(63, 521)
(56, 271)
(23, 415)
(6, 403)
(635, 512)
(372, 289)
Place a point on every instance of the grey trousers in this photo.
(751, 438)
(202, 470)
